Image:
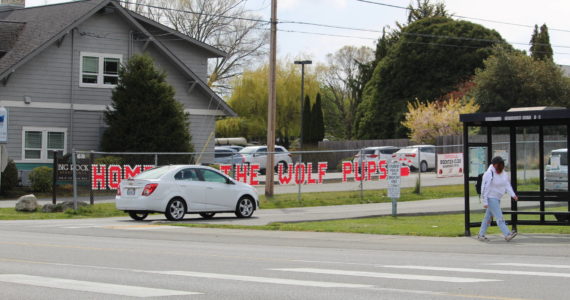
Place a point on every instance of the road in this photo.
(121, 259)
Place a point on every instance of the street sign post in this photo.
(394, 177)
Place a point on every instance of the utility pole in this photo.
(272, 103)
(302, 135)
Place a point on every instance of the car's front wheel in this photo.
(423, 167)
(245, 207)
(207, 215)
(137, 216)
(175, 210)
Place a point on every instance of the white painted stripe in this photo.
(283, 281)
(333, 262)
(93, 287)
(387, 275)
(532, 265)
(486, 271)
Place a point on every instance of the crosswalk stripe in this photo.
(283, 281)
(387, 275)
(88, 286)
(486, 271)
(532, 265)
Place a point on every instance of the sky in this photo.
(352, 13)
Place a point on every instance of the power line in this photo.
(465, 17)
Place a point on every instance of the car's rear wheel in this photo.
(207, 215)
(245, 207)
(175, 210)
(137, 216)
(285, 167)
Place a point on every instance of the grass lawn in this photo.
(102, 210)
(353, 197)
(434, 225)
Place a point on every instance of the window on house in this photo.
(41, 143)
(100, 70)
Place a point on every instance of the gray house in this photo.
(59, 63)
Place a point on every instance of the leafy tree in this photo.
(249, 101)
(317, 120)
(540, 47)
(431, 58)
(428, 120)
(144, 116)
(513, 79)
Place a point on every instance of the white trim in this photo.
(44, 150)
(95, 107)
(100, 74)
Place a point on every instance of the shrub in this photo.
(109, 160)
(9, 177)
(42, 179)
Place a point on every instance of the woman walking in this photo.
(494, 185)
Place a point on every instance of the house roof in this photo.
(41, 26)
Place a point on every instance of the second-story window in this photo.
(99, 70)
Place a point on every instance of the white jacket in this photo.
(495, 185)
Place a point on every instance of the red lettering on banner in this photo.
(253, 174)
(130, 172)
(300, 173)
(241, 173)
(405, 171)
(310, 179)
(226, 169)
(346, 169)
(322, 170)
(358, 174)
(115, 173)
(383, 171)
(98, 177)
(290, 171)
(370, 169)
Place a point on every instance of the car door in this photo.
(220, 195)
(191, 188)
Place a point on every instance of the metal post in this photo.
(54, 183)
(302, 131)
(156, 160)
(420, 170)
(271, 105)
(466, 179)
(74, 172)
(361, 176)
(91, 162)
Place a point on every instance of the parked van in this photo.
(556, 175)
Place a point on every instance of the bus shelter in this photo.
(533, 142)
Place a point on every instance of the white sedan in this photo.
(180, 189)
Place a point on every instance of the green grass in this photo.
(103, 210)
(451, 225)
(353, 197)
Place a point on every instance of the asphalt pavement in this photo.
(121, 259)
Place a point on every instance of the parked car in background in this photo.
(556, 173)
(176, 190)
(227, 156)
(235, 147)
(376, 154)
(258, 155)
(416, 157)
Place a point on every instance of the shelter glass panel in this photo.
(555, 159)
(528, 158)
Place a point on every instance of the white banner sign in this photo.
(449, 165)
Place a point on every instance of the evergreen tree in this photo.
(540, 47)
(317, 120)
(144, 116)
(307, 123)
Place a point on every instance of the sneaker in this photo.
(482, 238)
(511, 236)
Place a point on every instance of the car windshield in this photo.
(368, 151)
(248, 150)
(155, 173)
(563, 157)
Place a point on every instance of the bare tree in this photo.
(225, 24)
(341, 77)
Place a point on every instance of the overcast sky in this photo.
(353, 13)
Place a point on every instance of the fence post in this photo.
(361, 177)
(299, 198)
(156, 160)
(54, 183)
(419, 170)
(74, 174)
(91, 162)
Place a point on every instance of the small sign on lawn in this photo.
(394, 178)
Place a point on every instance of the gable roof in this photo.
(42, 26)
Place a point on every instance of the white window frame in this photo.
(44, 150)
(100, 74)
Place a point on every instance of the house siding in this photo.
(53, 76)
